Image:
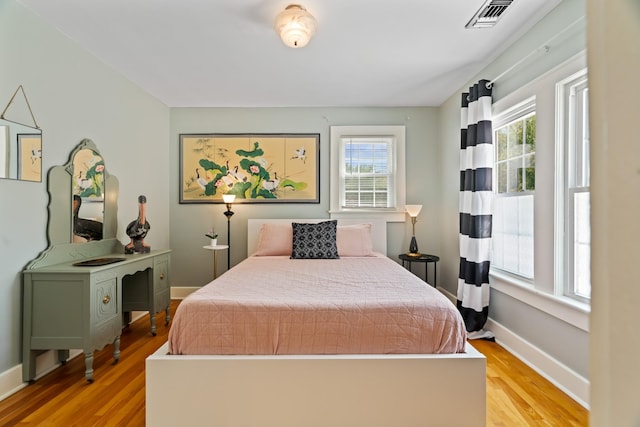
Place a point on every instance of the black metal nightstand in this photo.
(407, 260)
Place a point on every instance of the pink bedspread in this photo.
(276, 305)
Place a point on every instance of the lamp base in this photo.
(413, 247)
(414, 254)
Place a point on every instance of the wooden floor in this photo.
(516, 395)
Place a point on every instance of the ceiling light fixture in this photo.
(295, 26)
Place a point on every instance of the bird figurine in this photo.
(137, 230)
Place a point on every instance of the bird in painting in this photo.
(271, 184)
(201, 181)
(301, 154)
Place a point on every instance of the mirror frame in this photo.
(60, 184)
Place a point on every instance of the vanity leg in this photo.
(63, 355)
(116, 349)
(152, 317)
(88, 364)
(167, 316)
(28, 365)
(126, 318)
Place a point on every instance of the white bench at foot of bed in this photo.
(323, 391)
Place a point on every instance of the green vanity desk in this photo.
(67, 306)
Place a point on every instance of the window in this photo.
(515, 173)
(367, 171)
(573, 232)
(549, 273)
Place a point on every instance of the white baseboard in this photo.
(560, 375)
(11, 381)
(181, 292)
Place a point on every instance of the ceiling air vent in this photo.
(488, 14)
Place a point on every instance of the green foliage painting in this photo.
(88, 170)
(256, 168)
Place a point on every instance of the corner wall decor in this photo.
(20, 89)
(256, 168)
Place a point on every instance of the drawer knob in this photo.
(106, 299)
(161, 276)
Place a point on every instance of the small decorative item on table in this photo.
(137, 230)
(213, 236)
(214, 246)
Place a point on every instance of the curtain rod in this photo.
(546, 47)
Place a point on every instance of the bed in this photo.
(368, 362)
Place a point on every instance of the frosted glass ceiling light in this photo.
(295, 26)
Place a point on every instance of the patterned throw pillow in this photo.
(317, 241)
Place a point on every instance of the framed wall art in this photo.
(256, 168)
(30, 157)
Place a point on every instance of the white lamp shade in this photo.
(228, 198)
(413, 210)
(295, 26)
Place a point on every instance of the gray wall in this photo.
(548, 333)
(73, 96)
(189, 222)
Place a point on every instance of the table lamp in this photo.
(413, 211)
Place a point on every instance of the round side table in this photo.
(215, 250)
(407, 260)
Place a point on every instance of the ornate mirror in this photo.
(88, 191)
(83, 198)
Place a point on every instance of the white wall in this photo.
(73, 96)
(614, 67)
(189, 222)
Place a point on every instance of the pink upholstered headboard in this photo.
(378, 230)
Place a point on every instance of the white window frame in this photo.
(519, 111)
(542, 292)
(395, 212)
(566, 140)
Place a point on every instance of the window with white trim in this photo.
(515, 150)
(367, 171)
(573, 230)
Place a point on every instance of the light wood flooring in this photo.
(516, 395)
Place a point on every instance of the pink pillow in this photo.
(354, 240)
(275, 240)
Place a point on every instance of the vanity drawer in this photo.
(105, 299)
(161, 273)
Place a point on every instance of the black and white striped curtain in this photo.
(476, 193)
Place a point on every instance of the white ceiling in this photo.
(225, 53)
